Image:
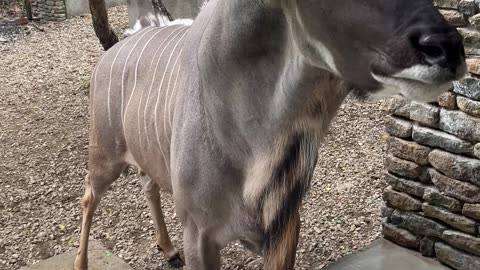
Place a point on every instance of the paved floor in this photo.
(384, 255)
(99, 258)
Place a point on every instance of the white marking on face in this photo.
(423, 73)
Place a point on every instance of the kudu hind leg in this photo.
(96, 183)
(152, 193)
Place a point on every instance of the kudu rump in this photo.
(228, 113)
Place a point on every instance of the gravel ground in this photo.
(43, 136)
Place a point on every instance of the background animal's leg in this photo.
(201, 253)
(100, 177)
(151, 190)
(282, 243)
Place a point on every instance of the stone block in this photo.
(467, 7)
(476, 150)
(387, 211)
(473, 64)
(463, 191)
(398, 127)
(456, 258)
(446, 3)
(424, 113)
(427, 247)
(457, 221)
(468, 87)
(440, 139)
(471, 210)
(417, 224)
(455, 166)
(454, 17)
(448, 100)
(49, 3)
(460, 124)
(60, 3)
(408, 150)
(469, 106)
(403, 185)
(401, 200)
(397, 105)
(433, 196)
(402, 167)
(462, 241)
(471, 38)
(399, 236)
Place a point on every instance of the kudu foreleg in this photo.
(164, 244)
(201, 251)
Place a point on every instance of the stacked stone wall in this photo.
(432, 202)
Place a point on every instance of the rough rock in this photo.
(403, 185)
(473, 64)
(468, 87)
(458, 189)
(476, 150)
(434, 197)
(469, 106)
(467, 7)
(417, 224)
(398, 127)
(397, 105)
(424, 113)
(427, 247)
(401, 200)
(457, 221)
(399, 236)
(387, 211)
(454, 17)
(455, 258)
(440, 139)
(408, 150)
(471, 38)
(455, 166)
(460, 124)
(446, 3)
(462, 241)
(471, 210)
(402, 167)
(448, 100)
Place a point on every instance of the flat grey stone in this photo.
(398, 127)
(460, 124)
(471, 210)
(424, 113)
(404, 185)
(440, 139)
(399, 236)
(476, 150)
(398, 105)
(385, 255)
(456, 258)
(462, 241)
(434, 197)
(401, 200)
(408, 150)
(99, 258)
(417, 224)
(402, 167)
(463, 191)
(468, 7)
(455, 166)
(468, 87)
(457, 221)
(446, 3)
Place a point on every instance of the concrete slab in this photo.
(384, 255)
(99, 258)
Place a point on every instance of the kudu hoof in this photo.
(176, 261)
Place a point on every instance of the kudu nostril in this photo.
(445, 50)
(432, 49)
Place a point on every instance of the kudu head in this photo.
(379, 47)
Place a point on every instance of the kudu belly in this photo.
(133, 97)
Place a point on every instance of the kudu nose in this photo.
(445, 49)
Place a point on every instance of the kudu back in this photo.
(228, 113)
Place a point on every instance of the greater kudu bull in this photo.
(228, 113)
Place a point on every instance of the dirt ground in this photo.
(43, 138)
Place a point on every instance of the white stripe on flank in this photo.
(93, 88)
(136, 75)
(168, 85)
(125, 67)
(171, 96)
(158, 99)
(110, 81)
(160, 47)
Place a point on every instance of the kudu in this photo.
(228, 113)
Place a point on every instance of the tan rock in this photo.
(473, 65)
